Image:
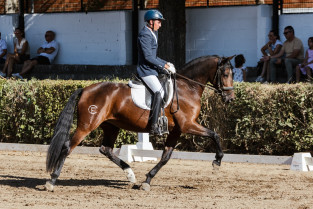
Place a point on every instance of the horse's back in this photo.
(102, 95)
(104, 88)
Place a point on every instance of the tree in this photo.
(172, 35)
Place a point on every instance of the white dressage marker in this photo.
(143, 143)
(302, 161)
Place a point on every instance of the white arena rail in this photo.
(144, 151)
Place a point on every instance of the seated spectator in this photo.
(240, 70)
(269, 49)
(21, 53)
(293, 51)
(307, 66)
(47, 53)
(3, 50)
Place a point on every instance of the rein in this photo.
(207, 85)
(175, 90)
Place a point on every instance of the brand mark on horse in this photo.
(92, 109)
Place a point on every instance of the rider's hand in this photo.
(171, 68)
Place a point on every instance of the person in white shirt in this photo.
(269, 49)
(47, 53)
(21, 53)
(3, 50)
(240, 70)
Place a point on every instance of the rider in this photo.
(149, 65)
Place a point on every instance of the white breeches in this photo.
(154, 84)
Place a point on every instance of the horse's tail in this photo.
(61, 133)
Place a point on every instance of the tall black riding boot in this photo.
(155, 108)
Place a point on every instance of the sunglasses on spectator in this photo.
(47, 35)
(285, 33)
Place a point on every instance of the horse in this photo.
(110, 106)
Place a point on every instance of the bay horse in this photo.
(110, 106)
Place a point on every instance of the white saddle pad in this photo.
(142, 97)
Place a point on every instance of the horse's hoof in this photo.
(130, 175)
(145, 187)
(216, 165)
(49, 186)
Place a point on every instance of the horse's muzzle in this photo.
(228, 98)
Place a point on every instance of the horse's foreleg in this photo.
(199, 130)
(166, 155)
(219, 152)
(165, 158)
(110, 135)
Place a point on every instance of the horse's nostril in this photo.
(230, 100)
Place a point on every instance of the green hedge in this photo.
(29, 111)
(264, 119)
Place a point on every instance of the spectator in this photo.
(293, 51)
(307, 66)
(3, 50)
(240, 70)
(47, 53)
(21, 53)
(269, 49)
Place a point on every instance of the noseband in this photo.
(218, 79)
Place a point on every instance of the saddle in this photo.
(142, 95)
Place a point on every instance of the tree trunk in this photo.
(172, 34)
(21, 15)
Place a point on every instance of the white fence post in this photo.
(144, 144)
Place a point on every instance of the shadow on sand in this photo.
(21, 181)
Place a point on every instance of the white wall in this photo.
(227, 31)
(105, 38)
(7, 22)
(99, 38)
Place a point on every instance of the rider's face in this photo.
(157, 24)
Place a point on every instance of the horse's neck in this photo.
(202, 74)
(190, 87)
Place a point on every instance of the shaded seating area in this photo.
(78, 72)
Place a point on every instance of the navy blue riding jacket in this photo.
(148, 62)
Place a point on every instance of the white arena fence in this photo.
(143, 151)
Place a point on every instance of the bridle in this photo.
(217, 79)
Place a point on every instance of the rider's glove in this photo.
(171, 68)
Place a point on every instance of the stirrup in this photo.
(155, 130)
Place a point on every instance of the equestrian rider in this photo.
(149, 65)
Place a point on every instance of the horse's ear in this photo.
(226, 59)
(230, 58)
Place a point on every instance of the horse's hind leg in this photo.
(66, 150)
(110, 133)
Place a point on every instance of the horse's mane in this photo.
(191, 67)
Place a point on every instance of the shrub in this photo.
(264, 119)
(29, 111)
